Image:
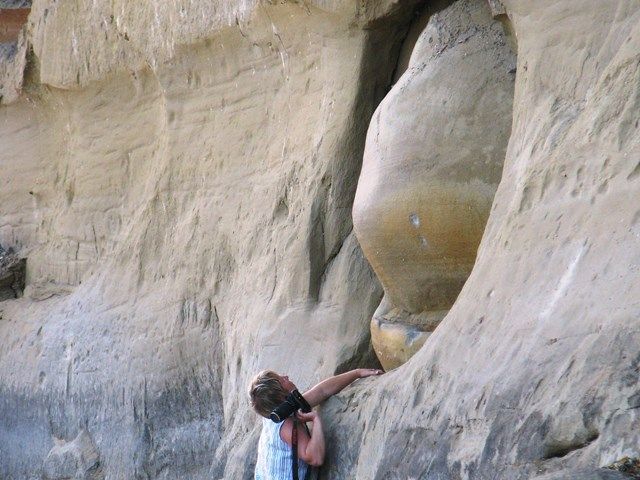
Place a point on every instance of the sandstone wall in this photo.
(180, 178)
(432, 161)
(181, 175)
(534, 371)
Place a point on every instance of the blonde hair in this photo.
(266, 393)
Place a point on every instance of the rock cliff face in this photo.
(182, 190)
(180, 177)
(534, 371)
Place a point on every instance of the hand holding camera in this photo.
(307, 417)
(292, 403)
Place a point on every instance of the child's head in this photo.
(266, 392)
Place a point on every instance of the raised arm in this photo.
(333, 385)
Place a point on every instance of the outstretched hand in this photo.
(368, 372)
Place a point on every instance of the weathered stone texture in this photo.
(180, 176)
(535, 369)
(184, 199)
(12, 275)
(432, 162)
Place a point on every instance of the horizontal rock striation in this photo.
(181, 178)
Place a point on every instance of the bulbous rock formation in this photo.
(432, 163)
(535, 371)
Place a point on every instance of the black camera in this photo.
(292, 403)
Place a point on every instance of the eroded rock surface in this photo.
(181, 176)
(77, 459)
(535, 369)
(13, 48)
(432, 162)
(12, 275)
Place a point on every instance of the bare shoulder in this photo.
(285, 431)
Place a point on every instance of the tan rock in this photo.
(189, 224)
(432, 162)
(396, 342)
(181, 176)
(534, 371)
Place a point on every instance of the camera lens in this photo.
(275, 417)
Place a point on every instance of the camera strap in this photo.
(294, 447)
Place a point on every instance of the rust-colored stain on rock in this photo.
(11, 21)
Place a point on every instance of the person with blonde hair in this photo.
(276, 456)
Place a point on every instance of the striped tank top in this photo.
(275, 457)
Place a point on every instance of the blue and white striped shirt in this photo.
(275, 457)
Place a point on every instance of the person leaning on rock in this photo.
(267, 391)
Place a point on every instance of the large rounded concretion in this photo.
(432, 163)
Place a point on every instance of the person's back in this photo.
(275, 456)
